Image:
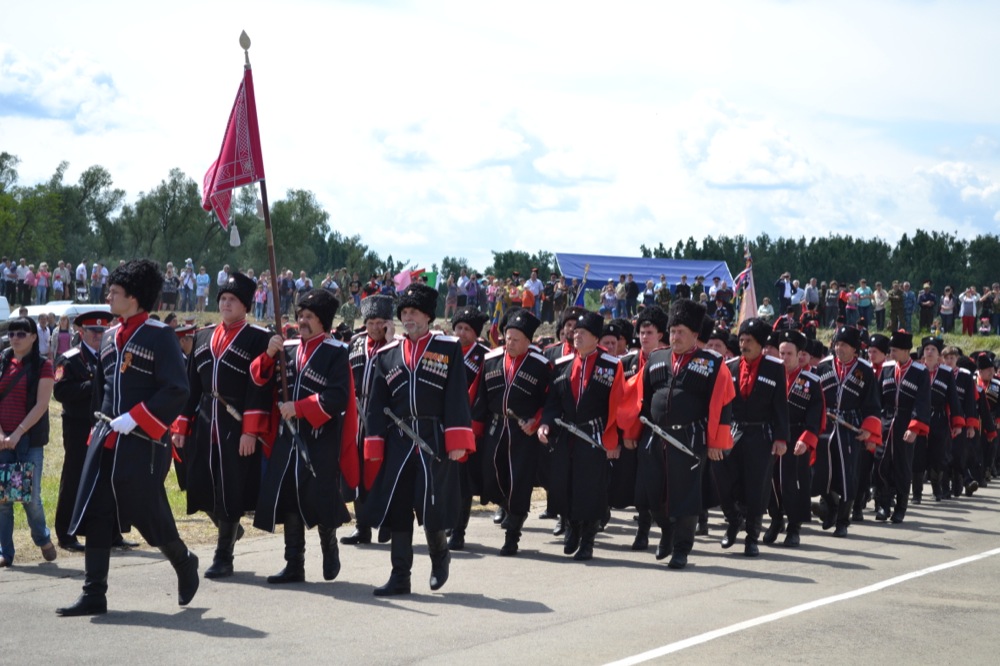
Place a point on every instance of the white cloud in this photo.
(961, 193)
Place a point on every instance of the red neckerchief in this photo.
(129, 327)
(878, 369)
(568, 348)
(413, 350)
(374, 346)
(681, 360)
(224, 335)
(900, 371)
(790, 378)
(843, 370)
(512, 364)
(583, 367)
(748, 375)
(306, 349)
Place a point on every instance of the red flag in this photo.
(240, 161)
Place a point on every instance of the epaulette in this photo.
(809, 375)
(965, 370)
(888, 364)
(155, 324)
(563, 359)
(539, 357)
(919, 366)
(496, 352)
(631, 352)
(388, 345)
(259, 328)
(947, 368)
(335, 343)
(446, 338)
(865, 361)
(774, 360)
(68, 354)
(708, 351)
(611, 358)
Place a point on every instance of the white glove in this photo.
(124, 424)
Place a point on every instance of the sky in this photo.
(439, 128)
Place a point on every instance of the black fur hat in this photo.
(241, 287)
(592, 322)
(879, 342)
(707, 326)
(572, 313)
(141, 279)
(421, 297)
(933, 341)
(685, 312)
(733, 345)
(321, 303)
(756, 328)
(818, 349)
(797, 338)
(376, 306)
(622, 328)
(901, 340)
(849, 335)
(471, 316)
(522, 320)
(654, 315)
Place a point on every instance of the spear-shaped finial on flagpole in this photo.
(245, 45)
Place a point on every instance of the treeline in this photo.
(939, 257)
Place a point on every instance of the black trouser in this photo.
(894, 472)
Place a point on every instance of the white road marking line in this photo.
(794, 610)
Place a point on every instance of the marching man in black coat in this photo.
(376, 311)
(906, 411)
(506, 414)
(223, 419)
(315, 443)
(142, 388)
(760, 432)
(587, 388)
(418, 428)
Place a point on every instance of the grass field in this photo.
(197, 528)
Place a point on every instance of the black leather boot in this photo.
(682, 541)
(829, 516)
(776, 527)
(456, 540)
(437, 548)
(750, 548)
(936, 490)
(588, 531)
(918, 490)
(792, 536)
(513, 534)
(702, 529)
(843, 519)
(331, 552)
(222, 563)
(899, 513)
(574, 532)
(732, 531)
(295, 552)
(362, 533)
(185, 563)
(666, 544)
(641, 541)
(401, 556)
(499, 515)
(93, 601)
(561, 526)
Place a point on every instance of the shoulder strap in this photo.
(13, 382)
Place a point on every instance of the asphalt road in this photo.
(921, 592)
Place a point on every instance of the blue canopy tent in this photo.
(604, 268)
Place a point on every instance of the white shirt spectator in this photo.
(535, 285)
(81, 273)
(222, 278)
(43, 341)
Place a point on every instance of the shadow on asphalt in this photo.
(813, 547)
(190, 619)
(782, 554)
(938, 528)
(694, 565)
(479, 601)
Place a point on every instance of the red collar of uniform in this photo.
(310, 345)
(224, 334)
(129, 327)
(374, 344)
(234, 326)
(751, 366)
(413, 349)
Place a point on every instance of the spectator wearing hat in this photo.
(321, 403)
(420, 380)
(506, 413)
(852, 394)
(142, 388)
(468, 327)
(687, 391)
(792, 472)
(760, 432)
(223, 419)
(376, 312)
(906, 408)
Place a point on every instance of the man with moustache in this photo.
(851, 392)
(586, 391)
(376, 312)
(421, 381)
(506, 413)
(792, 473)
(224, 416)
(315, 448)
(905, 394)
(760, 432)
(687, 392)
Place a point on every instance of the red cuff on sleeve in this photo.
(261, 369)
(810, 440)
(310, 409)
(152, 426)
(922, 429)
(972, 422)
(990, 436)
(459, 439)
(723, 438)
(478, 429)
(873, 425)
(181, 426)
(374, 448)
(957, 422)
(256, 422)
